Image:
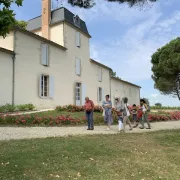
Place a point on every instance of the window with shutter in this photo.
(78, 66)
(44, 86)
(78, 40)
(100, 92)
(44, 54)
(100, 74)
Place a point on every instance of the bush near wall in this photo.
(74, 108)
(14, 108)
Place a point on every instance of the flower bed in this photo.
(74, 108)
(69, 119)
(35, 120)
(164, 116)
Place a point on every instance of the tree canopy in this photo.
(113, 74)
(158, 104)
(90, 3)
(21, 24)
(166, 68)
(7, 16)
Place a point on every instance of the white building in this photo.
(49, 64)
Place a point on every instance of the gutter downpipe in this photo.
(13, 78)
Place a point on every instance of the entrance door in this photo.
(78, 94)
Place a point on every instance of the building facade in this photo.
(49, 64)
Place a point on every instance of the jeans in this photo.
(145, 119)
(134, 117)
(90, 120)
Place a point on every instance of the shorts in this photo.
(134, 117)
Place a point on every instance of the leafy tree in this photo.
(158, 104)
(7, 16)
(166, 68)
(113, 74)
(21, 24)
(90, 3)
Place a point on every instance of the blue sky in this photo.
(125, 38)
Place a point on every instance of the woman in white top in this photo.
(145, 114)
(126, 114)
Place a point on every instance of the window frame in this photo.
(42, 88)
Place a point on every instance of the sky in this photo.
(124, 38)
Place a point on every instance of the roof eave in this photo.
(102, 65)
(126, 82)
(39, 37)
(7, 51)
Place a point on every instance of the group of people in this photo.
(123, 110)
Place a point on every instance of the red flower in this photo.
(23, 121)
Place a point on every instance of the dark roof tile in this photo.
(58, 15)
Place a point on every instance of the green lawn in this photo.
(58, 113)
(148, 156)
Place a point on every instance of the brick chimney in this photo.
(46, 18)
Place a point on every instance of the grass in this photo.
(58, 113)
(148, 156)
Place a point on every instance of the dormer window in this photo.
(76, 20)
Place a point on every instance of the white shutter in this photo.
(78, 43)
(51, 86)
(103, 94)
(83, 94)
(100, 74)
(44, 54)
(78, 66)
(98, 94)
(39, 82)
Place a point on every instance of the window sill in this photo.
(45, 97)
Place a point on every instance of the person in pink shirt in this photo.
(89, 109)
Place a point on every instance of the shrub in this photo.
(165, 108)
(13, 108)
(74, 108)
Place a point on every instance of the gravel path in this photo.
(8, 133)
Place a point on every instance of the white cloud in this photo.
(154, 95)
(130, 55)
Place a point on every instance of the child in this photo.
(134, 115)
(118, 110)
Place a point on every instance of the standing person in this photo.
(119, 110)
(144, 114)
(126, 114)
(89, 108)
(134, 115)
(107, 105)
(139, 114)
